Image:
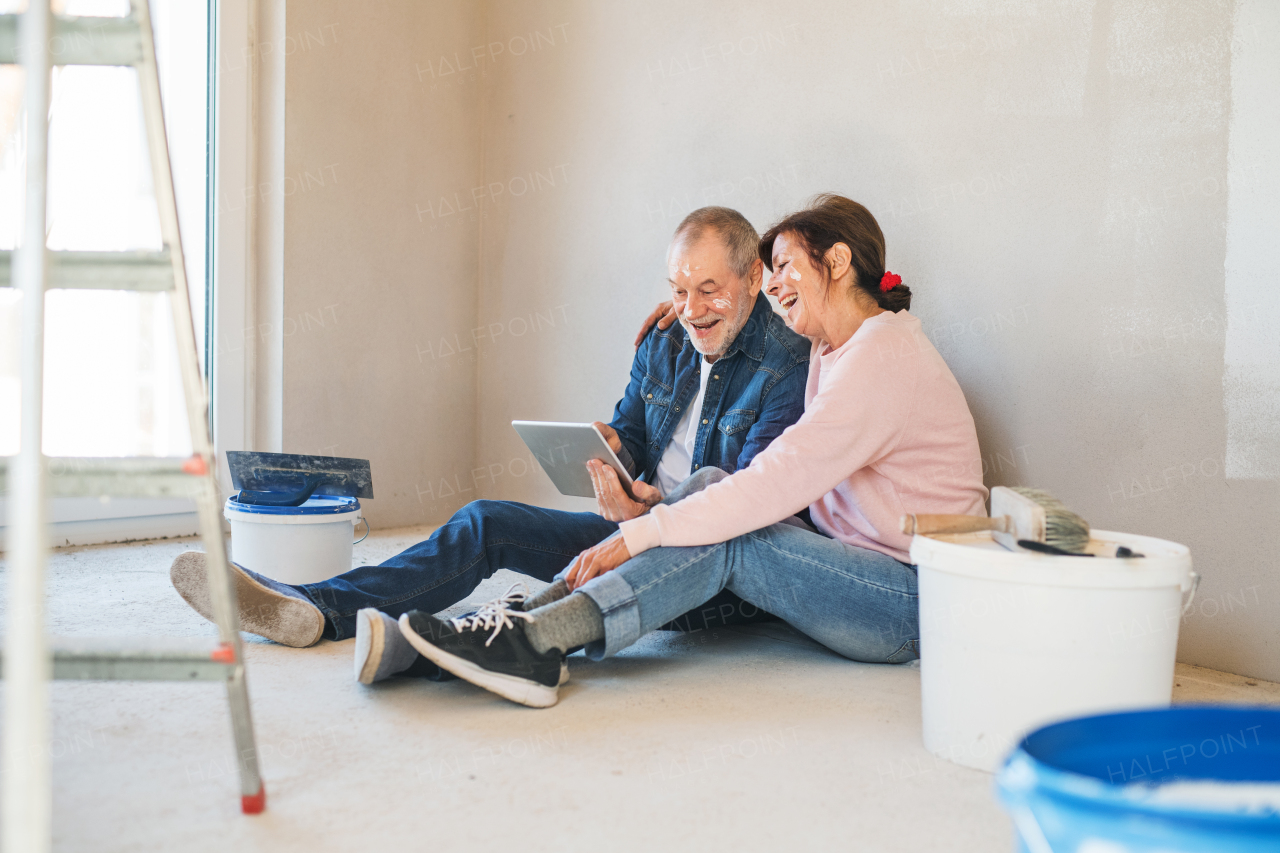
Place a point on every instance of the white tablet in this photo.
(563, 451)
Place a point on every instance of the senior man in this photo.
(711, 391)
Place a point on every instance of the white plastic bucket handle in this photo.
(1029, 828)
(1194, 585)
(366, 529)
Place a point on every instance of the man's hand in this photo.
(610, 435)
(597, 560)
(612, 501)
(664, 315)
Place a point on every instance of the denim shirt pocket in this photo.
(737, 421)
(654, 392)
(733, 428)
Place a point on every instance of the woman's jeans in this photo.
(859, 603)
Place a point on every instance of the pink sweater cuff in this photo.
(641, 534)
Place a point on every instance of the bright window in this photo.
(111, 380)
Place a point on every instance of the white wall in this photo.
(1067, 188)
(370, 282)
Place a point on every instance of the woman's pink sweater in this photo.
(885, 432)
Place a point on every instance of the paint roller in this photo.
(1020, 517)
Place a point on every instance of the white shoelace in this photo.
(495, 614)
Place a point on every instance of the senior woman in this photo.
(885, 432)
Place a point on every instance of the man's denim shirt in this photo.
(756, 390)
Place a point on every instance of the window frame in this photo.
(228, 244)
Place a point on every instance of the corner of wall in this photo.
(269, 236)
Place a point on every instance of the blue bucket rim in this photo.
(1099, 793)
(315, 505)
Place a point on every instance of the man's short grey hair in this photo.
(738, 235)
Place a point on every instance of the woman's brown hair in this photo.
(831, 219)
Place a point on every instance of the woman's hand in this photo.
(597, 560)
(664, 315)
(612, 501)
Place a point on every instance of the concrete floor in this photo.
(731, 739)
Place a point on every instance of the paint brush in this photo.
(1016, 513)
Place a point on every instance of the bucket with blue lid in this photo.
(294, 516)
(1189, 779)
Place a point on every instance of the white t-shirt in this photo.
(677, 459)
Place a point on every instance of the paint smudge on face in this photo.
(722, 303)
(795, 274)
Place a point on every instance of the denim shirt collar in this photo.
(740, 394)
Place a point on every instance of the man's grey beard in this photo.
(735, 325)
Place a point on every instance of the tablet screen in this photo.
(563, 450)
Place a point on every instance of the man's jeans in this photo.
(859, 603)
(479, 539)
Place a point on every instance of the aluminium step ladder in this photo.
(38, 40)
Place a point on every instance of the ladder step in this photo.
(143, 659)
(145, 271)
(119, 477)
(80, 40)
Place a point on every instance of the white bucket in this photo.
(294, 544)
(1012, 641)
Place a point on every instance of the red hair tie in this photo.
(889, 282)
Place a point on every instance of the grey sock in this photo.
(398, 653)
(558, 590)
(573, 621)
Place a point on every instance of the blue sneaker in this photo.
(490, 649)
(382, 651)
